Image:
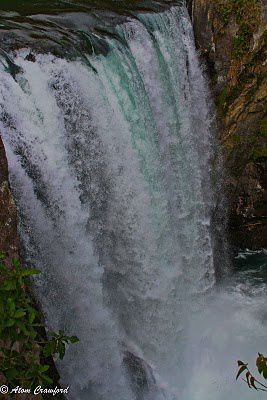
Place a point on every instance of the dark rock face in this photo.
(232, 38)
(249, 208)
(8, 214)
(142, 380)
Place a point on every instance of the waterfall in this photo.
(110, 165)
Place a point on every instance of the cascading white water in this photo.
(110, 167)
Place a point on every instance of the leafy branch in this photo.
(57, 344)
(24, 348)
(251, 381)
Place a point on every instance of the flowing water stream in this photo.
(110, 158)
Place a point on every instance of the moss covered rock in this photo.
(231, 35)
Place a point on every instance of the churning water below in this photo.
(110, 165)
(228, 325)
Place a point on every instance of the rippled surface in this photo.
(57, 25)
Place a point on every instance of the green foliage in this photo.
(252, 382)
(241, 42)
(263, 128)
(227, 96)
(259, 154)
(246, 14)
(261, 363)
(222, 98)
(22, 345)
(237, 139)
(225, 11)
(57, 344)
(17, 313)
(22, 368)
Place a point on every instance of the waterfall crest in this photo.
(109, 159)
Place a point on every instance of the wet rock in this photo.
(141, 375)
(8, 213)
(30, 57)
(235, 49)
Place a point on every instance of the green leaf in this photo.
(260, 363)
(11, 373)
(15, 262)
(264, 373)
(49, 349)
(3, 268)
(44, 368)
(32, 314)
(29, 272)
(9, 285)
(61, 350)
(9, 323)
(11, 306)
(74, 339)
(32, 334)
(24, 329)
(19, 313)
(47, 379)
